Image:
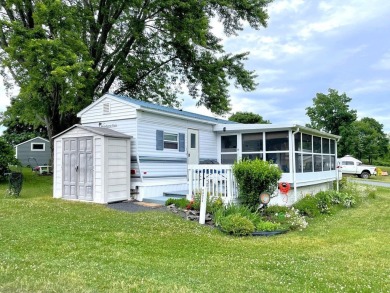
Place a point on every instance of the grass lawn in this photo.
(51, 245)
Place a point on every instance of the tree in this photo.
(330, 112)
(366, 139)
(7, 157)
(18, 131)
(248, 118)
(64, 53)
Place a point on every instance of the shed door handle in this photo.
(77, 168)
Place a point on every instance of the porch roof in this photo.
(234, 128)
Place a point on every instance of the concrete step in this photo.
(178, 193)
(161, 199)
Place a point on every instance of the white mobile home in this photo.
(169, 144)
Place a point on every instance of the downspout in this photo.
(336, 167)
(293, 167)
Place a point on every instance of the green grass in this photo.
(51, 245)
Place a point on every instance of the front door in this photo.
(78, 168)
(193, 146)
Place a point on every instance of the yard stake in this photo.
(202, 212)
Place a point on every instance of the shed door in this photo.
(78, 168)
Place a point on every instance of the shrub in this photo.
(295, 220)
(179, 202)
(348, 201)
(270, 210)
(254, 177)
(267, 226)
(308, 206)
(237, 225)
(212, 204)
(235, 209)
(324, 201)
(7, 158)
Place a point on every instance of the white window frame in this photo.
(38, 150)
(171, 141)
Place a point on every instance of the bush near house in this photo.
(254, 177)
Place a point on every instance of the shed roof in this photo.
(97, 130)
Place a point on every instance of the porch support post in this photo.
(190, 182)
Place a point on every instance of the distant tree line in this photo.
(363, 139)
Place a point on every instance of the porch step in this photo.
(160, 199)
(179, 193)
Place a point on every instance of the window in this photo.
(317, 163)
(228, 149)
(281, 159)
(316, 144)
(170, 141)
(252, 156)
(307, 163)
(229, 143)
(252, 142)
(298, 163)
(228, 158)
(37, 146)
(326, 162)
(252, 146)
(306, 143)
(193, 140)
(297, 142)
(333, 147)
(276, 141)
(325, 146)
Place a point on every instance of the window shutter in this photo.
(159, 140)
(182, 143)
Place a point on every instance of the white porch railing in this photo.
(218, 180)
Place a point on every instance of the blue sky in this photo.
(308, 47)
(311, 46)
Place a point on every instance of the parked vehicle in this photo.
(350, 165)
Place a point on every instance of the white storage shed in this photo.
(92, 164)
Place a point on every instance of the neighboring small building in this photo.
(35, 151)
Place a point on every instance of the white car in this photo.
(350, 165)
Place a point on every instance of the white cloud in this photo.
(383, 63)
(281, 6)
(335, 15)
(368, 86)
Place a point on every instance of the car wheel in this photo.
(365, 175)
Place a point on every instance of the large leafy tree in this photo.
(16, 130)
(366, 139)
(64, 53)
(248, 118)
(330, 112)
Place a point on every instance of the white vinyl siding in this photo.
(116, 110)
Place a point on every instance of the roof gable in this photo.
(38, 138)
